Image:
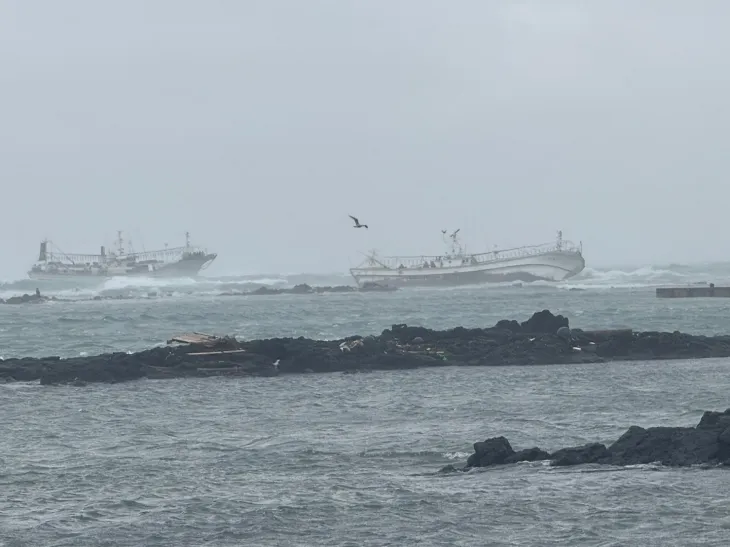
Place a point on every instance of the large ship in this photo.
(549, 262)
(172, 262)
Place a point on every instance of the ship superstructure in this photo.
(184, 261)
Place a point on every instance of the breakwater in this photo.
(709, 291)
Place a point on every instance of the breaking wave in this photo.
(647, 276)
(144, 287)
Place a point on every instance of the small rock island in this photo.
(708, 443)
(544, 339)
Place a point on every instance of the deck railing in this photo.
(162, 254)
(499, 255)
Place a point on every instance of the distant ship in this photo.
(548, 262)
(172, 262)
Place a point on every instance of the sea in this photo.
(352, 460)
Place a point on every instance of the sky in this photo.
(259, 126)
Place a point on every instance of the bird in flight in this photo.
(357, 223)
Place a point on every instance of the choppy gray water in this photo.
(350, 459)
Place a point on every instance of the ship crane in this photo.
(456, 247)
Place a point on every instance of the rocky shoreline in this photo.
(541, 340)
(300, 289)
(303, 288)
(706, 444)
(36, 298)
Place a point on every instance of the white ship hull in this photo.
(187, 268)
(546, 262)
(167, 263)
(554, 266)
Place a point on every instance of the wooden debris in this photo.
(195, 338)
(200, 353)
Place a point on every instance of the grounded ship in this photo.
(184, 261)
(548, 262)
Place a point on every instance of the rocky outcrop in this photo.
(303, 288)
(36, 298)
(707, 443)
(401, 347)
(541, 322)
(300, 289)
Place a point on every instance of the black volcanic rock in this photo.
(576, 455)
(491, 452)
(544, 322)
(497, 450)
(36, 298)
(707, 443)
(528, 455)
(510, 325)
(400, 347)
(678, 446)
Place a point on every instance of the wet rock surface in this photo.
(706, 444)
(541, 340)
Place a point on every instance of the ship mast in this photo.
(456, 248)
(559, 242)
(372, 258)
(187, 240)
(120, 243)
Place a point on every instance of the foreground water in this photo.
(350, 459)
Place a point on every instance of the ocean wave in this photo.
(646, 276)
(145, 287)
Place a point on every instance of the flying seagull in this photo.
(357, 223)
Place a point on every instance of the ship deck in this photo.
(466, 262)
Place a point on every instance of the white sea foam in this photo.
(647, 276)
(589, 279)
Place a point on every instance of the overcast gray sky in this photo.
(260, 125)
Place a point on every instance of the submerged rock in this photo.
(707, 443)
